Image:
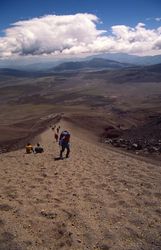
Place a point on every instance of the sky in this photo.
(66, 28)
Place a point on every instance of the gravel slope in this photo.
(96, 199)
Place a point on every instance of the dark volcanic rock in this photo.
(145, 139)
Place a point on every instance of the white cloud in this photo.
(158, 19)
(75, 35)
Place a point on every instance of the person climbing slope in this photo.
(64, 140)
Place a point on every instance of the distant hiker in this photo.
(64, 143)
(29, 148)
(53, 128)
(39, 149)
(56, 137)
(57, 130)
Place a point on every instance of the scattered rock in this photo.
(44, 175)
(5, 207)
(141, 139)
(48, 215)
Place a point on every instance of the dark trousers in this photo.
(63, 147)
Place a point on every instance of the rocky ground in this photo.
(144, 140)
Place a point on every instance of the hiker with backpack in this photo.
(64, 140)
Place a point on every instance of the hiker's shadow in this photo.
(58, 158)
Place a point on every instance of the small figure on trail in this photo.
(56, 137)
(57, 130)
(53, 127)
(29, 148)
(39, 149)
(64, 143)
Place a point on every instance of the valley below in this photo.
(120, 106)
(106, 195)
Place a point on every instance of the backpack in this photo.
(65, 136)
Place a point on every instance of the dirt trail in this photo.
(96, 199)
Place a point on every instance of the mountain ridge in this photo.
(96, 65)
(93, 64)
(48, 64)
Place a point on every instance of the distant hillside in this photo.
(151, 73)
(126, 58)
(94, 64)
(21, 73)
(154, 68)
(15, 72)
(95, 68)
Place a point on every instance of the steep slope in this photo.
(96, 199)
